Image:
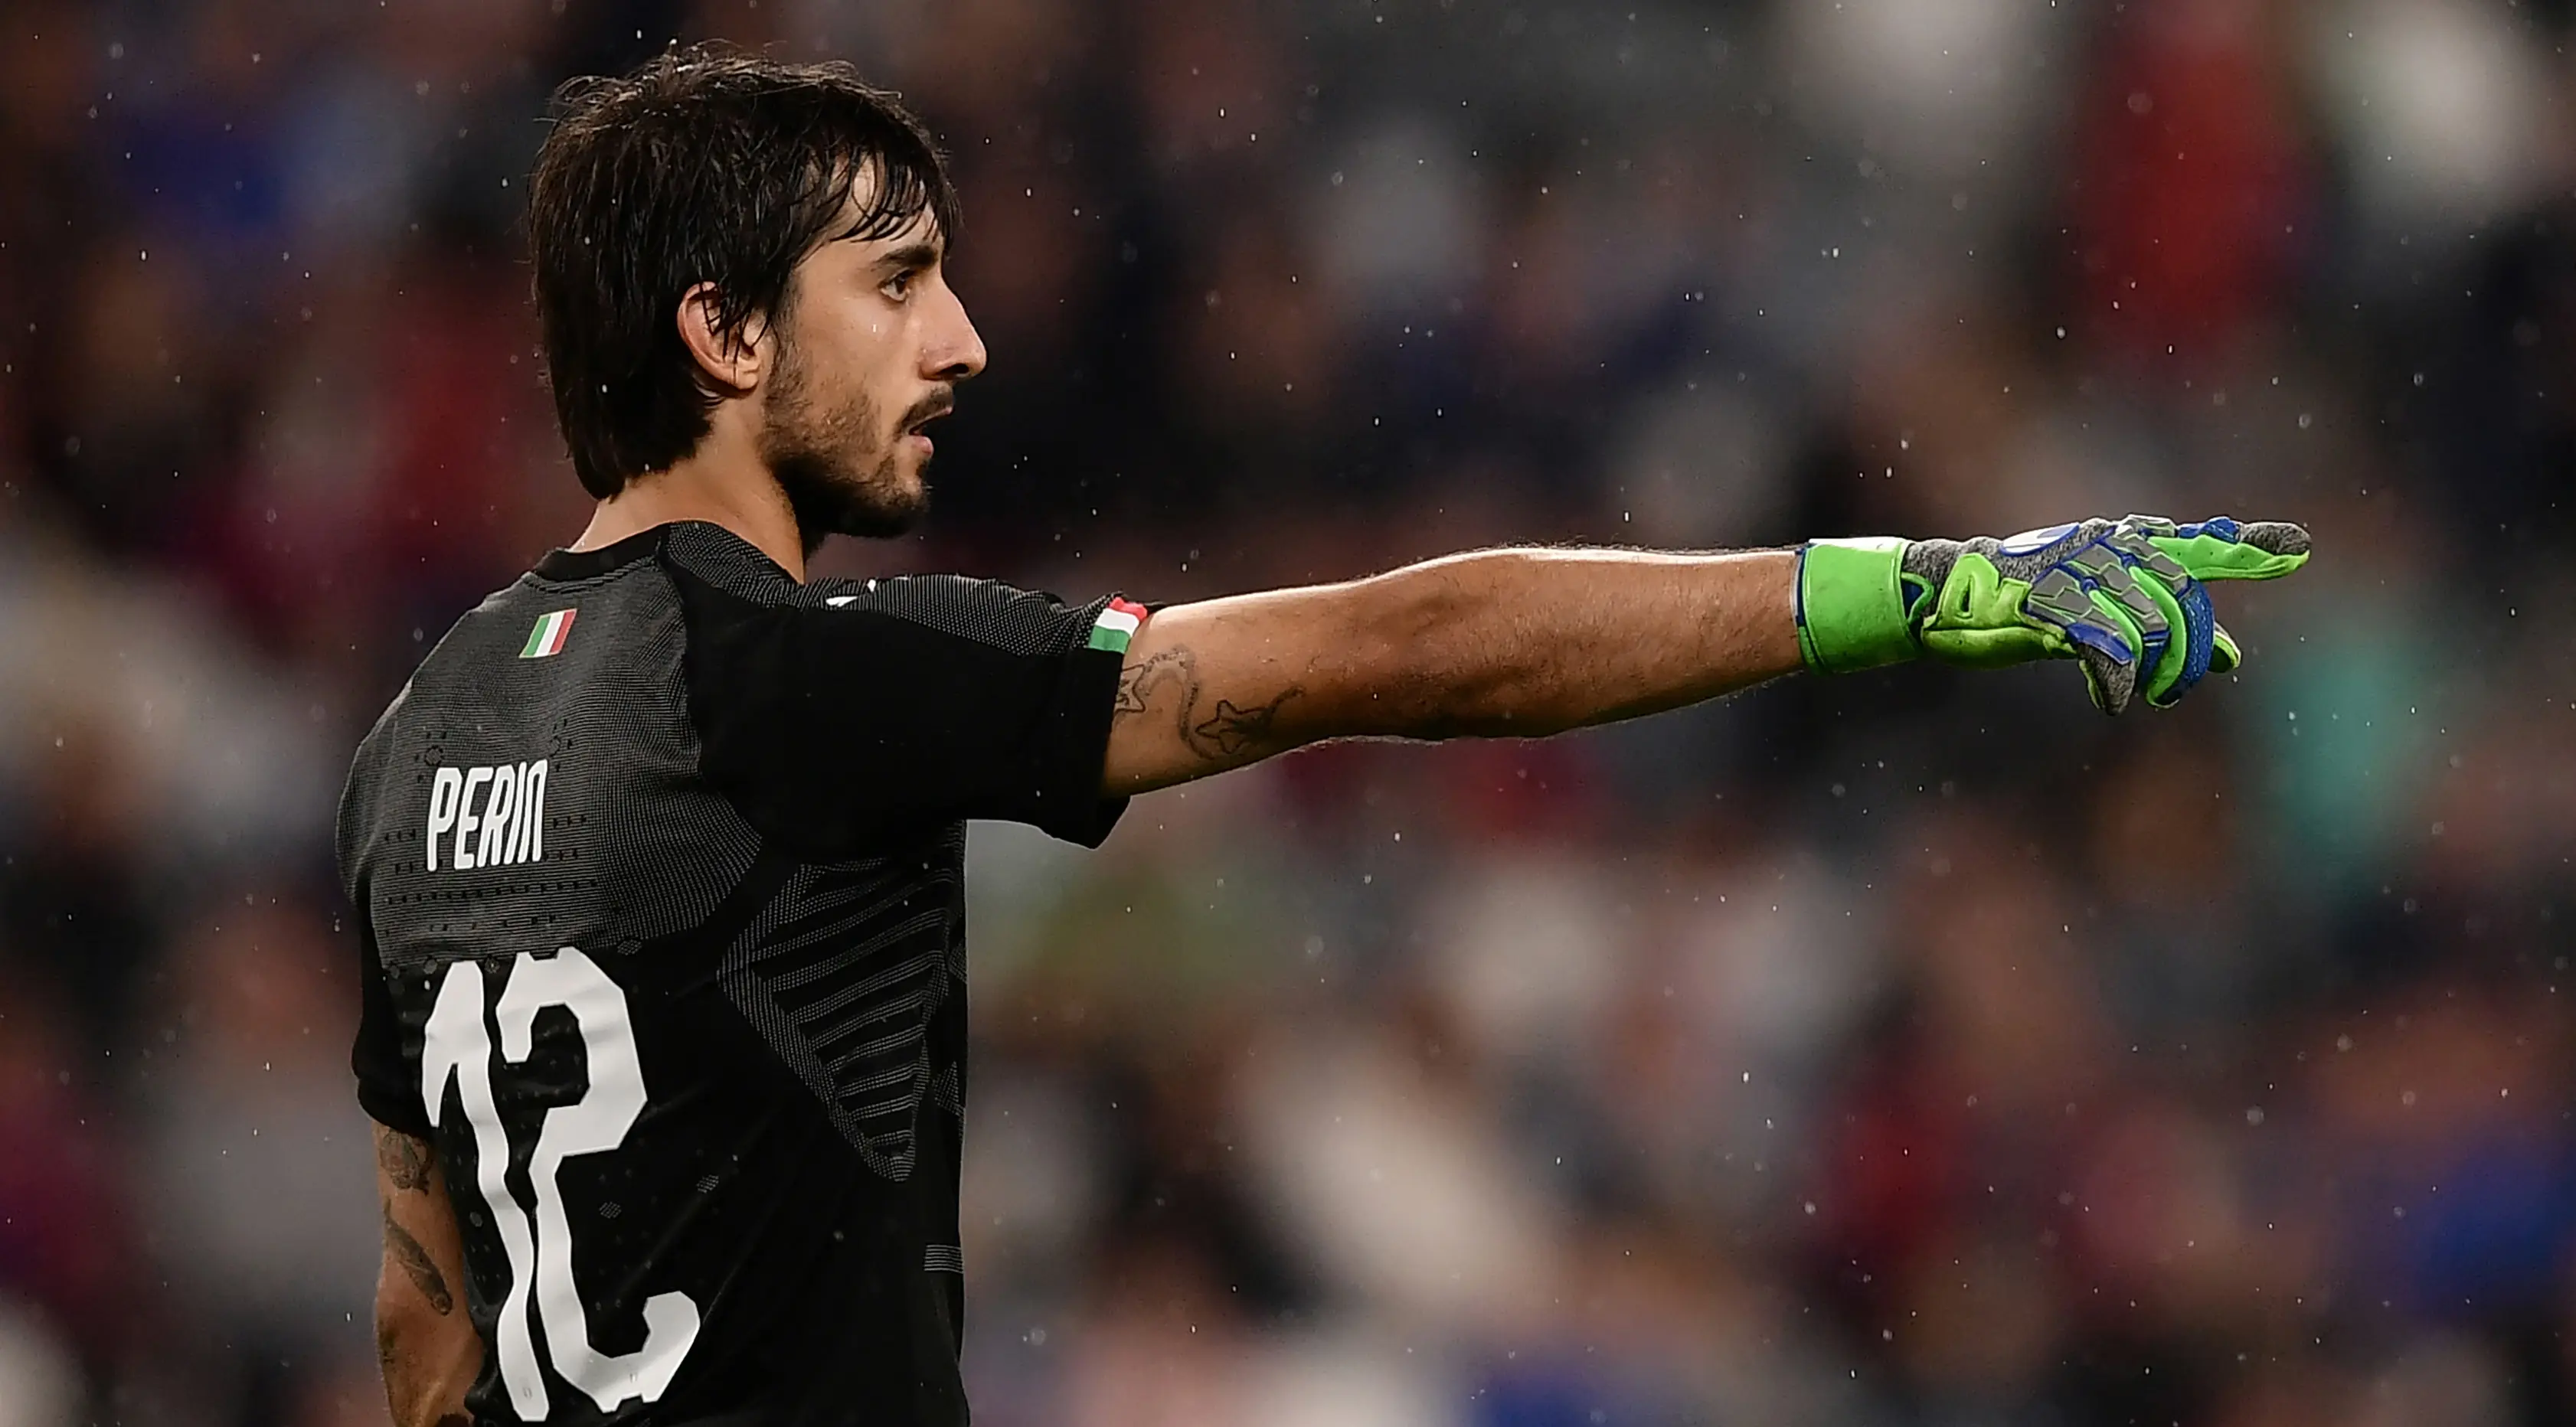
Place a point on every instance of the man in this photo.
(657, 859)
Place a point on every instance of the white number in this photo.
(459, 1047)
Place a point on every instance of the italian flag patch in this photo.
(1116, 625)
(549, 635)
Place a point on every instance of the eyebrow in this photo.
(922, 253)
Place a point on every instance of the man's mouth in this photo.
(927, 413)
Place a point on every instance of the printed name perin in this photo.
(497, 814)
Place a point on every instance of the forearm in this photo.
(1501, 643)
(1527, 642)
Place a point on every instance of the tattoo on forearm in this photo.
(407, 1162)
(416, 1265)
(1232, 733)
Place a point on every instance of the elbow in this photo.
(429, 1360)
(402, 1334)
(397, 1354)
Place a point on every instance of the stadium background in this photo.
(1905, 1049)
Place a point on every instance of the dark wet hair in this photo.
(704, 165)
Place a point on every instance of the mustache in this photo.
(928, 409)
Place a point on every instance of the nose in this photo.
(956, 352)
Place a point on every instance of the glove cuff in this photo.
(1851, 605)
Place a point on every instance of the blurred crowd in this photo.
(1904, 1049)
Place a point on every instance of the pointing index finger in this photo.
(2221, 549)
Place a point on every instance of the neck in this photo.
(738, 494)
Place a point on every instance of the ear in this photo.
(732, 365)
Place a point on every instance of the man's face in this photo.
(867, 349)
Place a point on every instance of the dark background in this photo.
(1903, 1049)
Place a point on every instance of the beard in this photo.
(839, 465)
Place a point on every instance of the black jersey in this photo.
(658, 864)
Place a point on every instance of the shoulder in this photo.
(1020, 621)
(514, 661)
(406, 729)
(358, 796)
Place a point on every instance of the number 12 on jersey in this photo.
(459, 1048)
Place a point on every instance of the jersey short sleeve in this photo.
(856, 711)
(386, 1090)
(385, 1087)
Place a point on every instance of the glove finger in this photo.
(2221, 549)
(2111, 680)
(2115, 582)
(2189, 658)
(2135, 538)
(2224, 656)
(2097, 632)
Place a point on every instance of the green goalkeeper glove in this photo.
(2126, 597)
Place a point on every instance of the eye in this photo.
(899, 286)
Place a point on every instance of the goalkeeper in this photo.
(657, 861)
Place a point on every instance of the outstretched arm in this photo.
(1519, 643)
(1498, 643)
(424, 1339)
